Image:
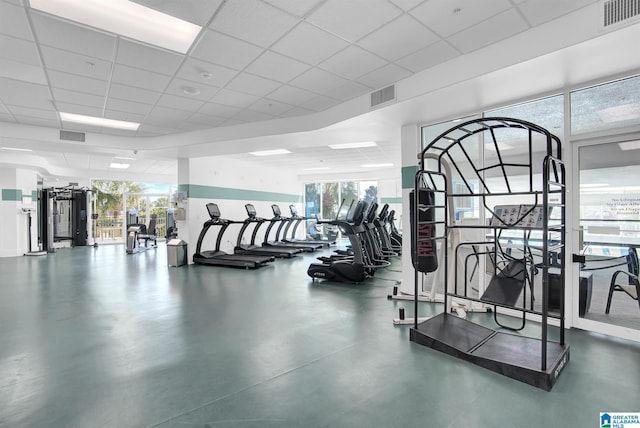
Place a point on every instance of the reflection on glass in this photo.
(610, 227)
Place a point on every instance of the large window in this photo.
(324, 199)
(118, 203)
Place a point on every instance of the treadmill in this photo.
(281, 221)
(252, 248)
(220, 258)
(296, 220)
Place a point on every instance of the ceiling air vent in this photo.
(383, 95)
(619, 10)
(72, 136)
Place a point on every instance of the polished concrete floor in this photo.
(97, 338)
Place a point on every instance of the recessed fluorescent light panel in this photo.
(124, 158)
(353, 145)
(376, 165)
(270, 152)
(98, 121)
(629, 145)
(118, 165)
(125, 18)
(16, 149)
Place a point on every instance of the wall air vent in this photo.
(72, 136)
(616, 11)
(383, 95)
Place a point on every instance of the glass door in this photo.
(608, 214)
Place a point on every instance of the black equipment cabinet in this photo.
(512, 170)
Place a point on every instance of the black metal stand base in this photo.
(511, 355)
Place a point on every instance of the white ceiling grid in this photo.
(254, 60)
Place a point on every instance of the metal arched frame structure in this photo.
(530, 186)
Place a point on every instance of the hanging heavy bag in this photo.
(423, 249)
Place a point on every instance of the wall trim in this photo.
(14, 195)
(213, 192)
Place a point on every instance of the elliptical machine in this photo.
(351, 270)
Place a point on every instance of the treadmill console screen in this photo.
(276, 210)
(214, 211)
(251, 210)
(294, 210)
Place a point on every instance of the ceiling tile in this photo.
(139, 78)
(123, 115)
(78, 109)
(128, 106)
(206, 119)
(298, 8)
(148, 58)
(233, 98)
(254, 85)
(51, 115)
(297, 111)
(270, 107)
(72, 37)
(253, 21)
(80, 98)
(437, 53)
(317, 80)
(19, 50)
(56, 59)
(352, 62)
(166, 117)
(26, 94)
(196, 11)
(13, 21)
(407, 4)
(398, 38)
(353, 19)
(194, 69)
(277, 67)
(180, 103)
(252, 116)
(348, 91)
(177, 87)
(441, 16)
(320, 103)
(36, 121)
(23, 72)
(214, 109)
(291, 95)
(384, 76)
(295, 44)
(130, 93)
(540, 11)
(490, 31)
(77, 83)
(221, 49)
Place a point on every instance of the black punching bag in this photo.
(423, 252)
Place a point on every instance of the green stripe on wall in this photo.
(34, 195)
(212, 192)
(391, 200)
(409, 176)
(12, 194)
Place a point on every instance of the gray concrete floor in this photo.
(97, 338)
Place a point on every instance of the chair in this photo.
(632, 287)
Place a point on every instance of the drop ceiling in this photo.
(253, 61)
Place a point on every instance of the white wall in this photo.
(231, 183)
(14, 222)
